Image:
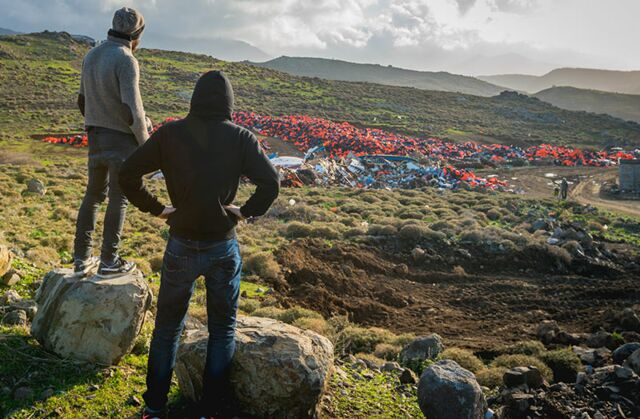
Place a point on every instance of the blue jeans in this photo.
(184, 261)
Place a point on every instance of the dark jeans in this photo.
(184, 261)
(108, 149)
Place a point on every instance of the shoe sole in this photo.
(115, 274)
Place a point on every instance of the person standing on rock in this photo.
(114, 118)
(202, 157)
(564, 188)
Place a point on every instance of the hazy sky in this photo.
(470, 36)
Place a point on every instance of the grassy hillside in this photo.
(374, 73)
(621, 106)
(583, 78)
(39, 77)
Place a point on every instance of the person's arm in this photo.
(81, 95)
(145, 159)
(129, 78)
(257, 167)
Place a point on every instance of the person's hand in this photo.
(235, 211)
(166, 213)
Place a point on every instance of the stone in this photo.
(408, 377)
(520, 402)
(623, 352)
(547, 331)
(47, 393)
(10, 279)
(595, 357)
(5, 260)
(278, 370)
(10, 297)
(633, 361)
(446, 390)
(629, 320)
(15, 318)
(23, 393)
(422, 348)
(513, 378)
(391, 367)
(565, 338)
(533, 376)
(28, 306)
(93, 320)
(600, 339)
(623, 373)
(37, 187)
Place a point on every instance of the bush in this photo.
(519, 360)
(263, 264)
(413, 232)
(564, 364)
(466, 359)
(527, 347)
(297, 229)
(387, 351)
(270, 312)
(294, 313)
(249, 305)
(318, 325)
(491, 377)
(493, 214)
(403, 339)
(354, 339)
(381, 230)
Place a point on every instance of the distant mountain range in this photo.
(499, 64)
(582, 78)
(4, 31)
(221, 48)
(374, 73)
(622, 106)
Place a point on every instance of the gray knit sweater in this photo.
(110, 86)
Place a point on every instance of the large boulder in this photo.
(633, 361)
(5, 260)
(278, 370)
(446, 390)
(422, 348)
(623, 352)
(94, 320)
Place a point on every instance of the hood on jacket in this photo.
(212, 97)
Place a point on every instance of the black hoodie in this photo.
(202, 157)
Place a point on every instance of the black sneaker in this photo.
(118, 268)
(84, 267)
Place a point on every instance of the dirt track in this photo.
(473, 311)
(585, 188)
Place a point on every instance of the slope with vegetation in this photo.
(375, 73)
(621, 106)
(39, 80)
(582, 78)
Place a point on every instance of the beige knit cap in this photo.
(128, 21)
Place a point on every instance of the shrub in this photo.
(318, 325)
(491, 377)
(297, 229)
(354, 339)
(294, 313)
(519, 360)
(249, 305)
(156, 263)
(466, 359)
(413, 232)
(270, 312)
(263, 264)
(381, 230)
(387, 351)
(527, 347)
(403, 339)
(493, 214)
(564, 364)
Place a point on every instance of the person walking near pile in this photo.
(114, 118)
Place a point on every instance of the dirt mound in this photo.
(376, 288)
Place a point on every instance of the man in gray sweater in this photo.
(116, 123)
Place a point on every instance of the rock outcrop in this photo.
(422, 348)
(278, 370)
(446, 390)
(94, 320)
(5, 260)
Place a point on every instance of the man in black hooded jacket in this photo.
(202, 157)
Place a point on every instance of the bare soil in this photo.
(480, 312)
